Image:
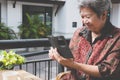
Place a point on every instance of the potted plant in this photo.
(34, 28)
(6, 32)
(9, 59)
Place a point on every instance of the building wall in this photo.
(11, 16)
(66, 15)
(115, 15)
(3, 11)
(14, 15)
(62, 21)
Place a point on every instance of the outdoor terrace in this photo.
(36, 53)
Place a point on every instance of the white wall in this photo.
(14, 18)
(115, 15)
(59, 21)
(3, 11)
(72, 15)
(66, 15)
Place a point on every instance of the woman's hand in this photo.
(53, 54)
(68, 62)
(51, 51)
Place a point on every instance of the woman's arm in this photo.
(88, 69)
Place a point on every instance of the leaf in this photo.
(10, 59)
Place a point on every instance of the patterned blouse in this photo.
(103, 52)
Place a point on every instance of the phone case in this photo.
(60, 43)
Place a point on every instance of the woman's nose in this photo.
(85, 21)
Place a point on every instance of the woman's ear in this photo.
(105, 15)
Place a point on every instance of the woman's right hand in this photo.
(53, 54)
(51, 51)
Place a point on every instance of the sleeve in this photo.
(110, 67)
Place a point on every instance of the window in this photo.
(45, 13)
(41, 18)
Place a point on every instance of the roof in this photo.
(58, 2)
(115, 1)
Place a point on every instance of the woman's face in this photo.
(91, 20)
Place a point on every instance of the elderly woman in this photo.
(95, 46)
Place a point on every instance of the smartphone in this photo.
(60, 43)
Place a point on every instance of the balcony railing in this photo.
(37, 62)
(46, 69)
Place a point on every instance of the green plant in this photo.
(6, 32)
(9, 59)
(34, 28)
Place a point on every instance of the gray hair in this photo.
(98, 6)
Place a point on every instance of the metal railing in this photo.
(46, 69)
